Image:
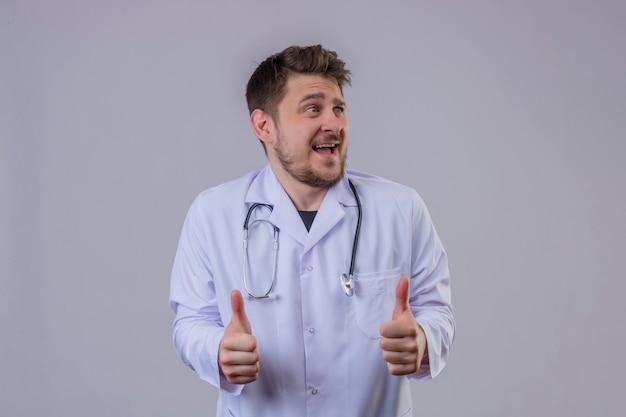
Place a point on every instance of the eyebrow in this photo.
(321, 96)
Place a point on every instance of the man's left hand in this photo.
(403, 340)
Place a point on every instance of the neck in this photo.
(303, 196)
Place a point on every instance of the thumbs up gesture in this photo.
(238, 356)
(403, 340)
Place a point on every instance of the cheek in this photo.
(300, 135)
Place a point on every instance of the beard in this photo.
(305, 172)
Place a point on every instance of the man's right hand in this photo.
(238, 356)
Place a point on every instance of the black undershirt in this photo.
(307, 218)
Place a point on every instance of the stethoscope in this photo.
(347, 282)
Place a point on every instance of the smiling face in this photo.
(309, 140)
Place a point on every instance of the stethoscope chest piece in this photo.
(347, 284)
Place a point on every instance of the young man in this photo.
(345, 291)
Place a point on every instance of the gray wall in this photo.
(507, 117)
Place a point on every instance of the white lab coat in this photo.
(319, 348)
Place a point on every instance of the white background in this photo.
(509, 118)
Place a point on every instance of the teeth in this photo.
(325, 145)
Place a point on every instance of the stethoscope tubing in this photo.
(346, 281)
(245, 253)
(357, 231)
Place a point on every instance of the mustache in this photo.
(330, 137)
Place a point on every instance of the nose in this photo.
(334, 122)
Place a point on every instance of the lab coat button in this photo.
(309, 268)
(311, 329)
(314, 391)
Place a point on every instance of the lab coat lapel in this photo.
(331, 212)
(287, 219)
(266, 189)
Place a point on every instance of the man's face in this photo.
(311, 131)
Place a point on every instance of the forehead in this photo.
(300, 86)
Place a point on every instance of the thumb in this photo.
(402, 298)
(239, 321)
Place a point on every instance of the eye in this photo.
(339, 109)
(311, 109)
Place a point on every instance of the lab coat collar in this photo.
(266, 189)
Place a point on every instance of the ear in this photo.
(263, 126)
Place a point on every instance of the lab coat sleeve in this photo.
(430, 297)
(198, 326)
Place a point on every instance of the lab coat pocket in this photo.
(374, 298)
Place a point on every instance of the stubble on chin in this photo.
(308, 175)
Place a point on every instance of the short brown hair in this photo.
(266, 87)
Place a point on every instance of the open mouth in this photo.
(325, 148)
